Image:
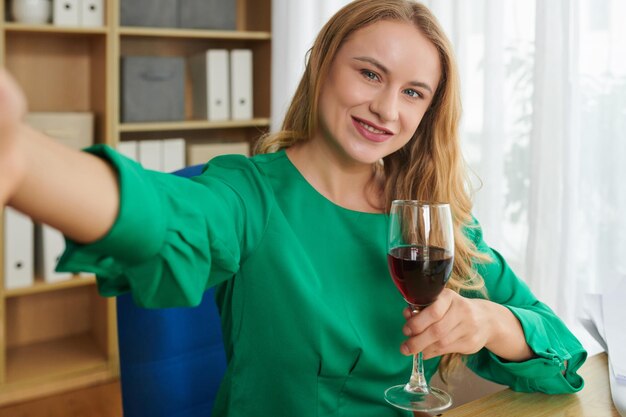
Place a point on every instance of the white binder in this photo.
(129, 149)
(18, 249)
(65, 13)
(91, 13)
(201, 153)
(150, 154)
(173, 155)
(241, 84)
(49, 245)
(210, 83)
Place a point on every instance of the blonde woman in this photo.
(294, 237)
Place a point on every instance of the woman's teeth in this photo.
(370, 128)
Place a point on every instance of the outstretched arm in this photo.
(72, 191)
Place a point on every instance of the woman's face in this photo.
(378, 88)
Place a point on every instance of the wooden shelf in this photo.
(20, 27)
(195, 33)
(63, 335)
(192, 125)
(54, 359)
(40, 286)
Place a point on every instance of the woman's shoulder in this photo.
(245, 174)
(243, 162)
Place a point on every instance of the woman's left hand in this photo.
(452, 324)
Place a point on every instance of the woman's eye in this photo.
(413, 93)
(370, 75)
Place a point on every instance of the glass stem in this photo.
(417, 383)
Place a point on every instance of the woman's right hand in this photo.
(12, 110)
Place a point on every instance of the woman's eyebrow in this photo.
(385, 71)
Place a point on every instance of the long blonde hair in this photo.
(430, 166)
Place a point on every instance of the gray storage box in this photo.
(151, 13)
(153, 89)
(207, 14)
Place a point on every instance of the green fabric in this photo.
(311, 319)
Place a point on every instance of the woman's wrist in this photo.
(506, 336)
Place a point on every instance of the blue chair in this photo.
(171, 360)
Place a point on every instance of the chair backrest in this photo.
(171, 360)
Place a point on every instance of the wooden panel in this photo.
(47, 316)
(49, 28)
(20, 392)
(228, 135)
(594, 400)
(192, 125)
(100, 316)
(262, 79)
(112, 348)
(41, 361)
(101, 400)
(98, 88)
(193, 33)
(256, 15)
(40, 286)
(240, 19)
(113, 87)
(54, 71)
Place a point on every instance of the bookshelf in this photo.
(60, 336)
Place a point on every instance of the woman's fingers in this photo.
(442, 333)
(453, 324)
(453, 342)
(429, 315)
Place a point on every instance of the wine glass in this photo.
(420, 254)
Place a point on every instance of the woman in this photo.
(294, 237)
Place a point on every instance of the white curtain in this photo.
(544, 130)
(544, 93)
(294, 27)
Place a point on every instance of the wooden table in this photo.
(594, 400)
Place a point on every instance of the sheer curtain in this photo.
(294, 27)
(544, 93)
(544, 96)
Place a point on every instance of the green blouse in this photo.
(312, 322)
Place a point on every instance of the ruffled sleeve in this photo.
(558, 354)
(174, 237)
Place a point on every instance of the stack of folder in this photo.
(606, 324)
(222, 84)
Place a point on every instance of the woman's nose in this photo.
(385, 105)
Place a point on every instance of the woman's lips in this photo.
(370, 131)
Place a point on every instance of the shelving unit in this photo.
(61, 336)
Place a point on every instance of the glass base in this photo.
(431, 401)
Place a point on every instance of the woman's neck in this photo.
(350, 186)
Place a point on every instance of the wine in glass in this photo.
(420, 254)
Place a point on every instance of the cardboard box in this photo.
(75, 130)
(201, 153)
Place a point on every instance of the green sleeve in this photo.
(174, 237)
(558, 354)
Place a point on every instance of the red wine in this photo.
(420, 272)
